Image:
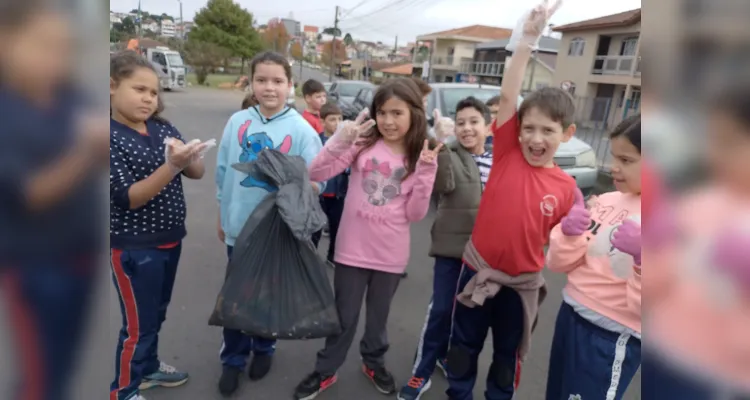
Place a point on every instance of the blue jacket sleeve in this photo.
(13, 174)
(222, 159)
(310, 146)
(120, 178)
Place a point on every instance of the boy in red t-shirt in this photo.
(315, 96)
(525, 197)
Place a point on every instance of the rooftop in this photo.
(608, 21)
(546, 44)
(476, 31)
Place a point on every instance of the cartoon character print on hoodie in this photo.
(381, 182)
(252, 145)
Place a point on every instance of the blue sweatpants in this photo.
(144, 280)
(504, 315)
(588, 361)
(661, 381)
(47, 309)
(237, 346)
(433, 343)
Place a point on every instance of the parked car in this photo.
(575, 157)
(343, 93)
(362, 100)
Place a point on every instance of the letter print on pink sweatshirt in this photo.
(381, 182)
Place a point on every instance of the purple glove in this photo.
(627, 239)
(731, 254)
(578, 219)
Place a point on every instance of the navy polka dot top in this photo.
(133, 157)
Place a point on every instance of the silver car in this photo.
(575, 157)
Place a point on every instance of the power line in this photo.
(349, 12)
(384, 8)
(392, 21)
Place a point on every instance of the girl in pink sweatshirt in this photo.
(392, 174)
(697, 291)
(596, 349)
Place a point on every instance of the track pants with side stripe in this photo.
(589, 362)
(144, 280)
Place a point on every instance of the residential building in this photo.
(151, 26)
(403, 70)
(599, 63)
(185, 28)
(452, 48)
(114, 19)
(490, 59)
(293, 28)
(168, 28)
(311, 33)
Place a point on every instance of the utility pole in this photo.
(302, 47)
(395, 49)
(333, 44)
(182, 23)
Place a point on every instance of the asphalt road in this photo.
(301, 74)
(188, 343)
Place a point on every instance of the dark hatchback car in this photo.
(344, 93)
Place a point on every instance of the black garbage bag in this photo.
(276, 285)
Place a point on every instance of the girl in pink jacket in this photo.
(390, 184)
(697, 291)
(596, 349)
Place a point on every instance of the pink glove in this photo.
(731, 254)
(627, 239)
(578, 219)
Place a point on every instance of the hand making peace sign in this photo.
(350, 131)
(429, 156)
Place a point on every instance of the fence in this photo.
(596, 117)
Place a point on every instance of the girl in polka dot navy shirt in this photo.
(148, 156)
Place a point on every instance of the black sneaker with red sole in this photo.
(313, 385)
(381, 378)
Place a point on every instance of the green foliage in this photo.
(204, 57)
(226, 24)
(348, 39)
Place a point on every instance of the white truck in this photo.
(172, 68)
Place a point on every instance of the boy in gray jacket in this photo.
(463, 169)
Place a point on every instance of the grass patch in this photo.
(213, 80)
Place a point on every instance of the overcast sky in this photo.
(405, 18)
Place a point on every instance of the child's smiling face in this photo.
(541, 136)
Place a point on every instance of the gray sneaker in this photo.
(166, 376)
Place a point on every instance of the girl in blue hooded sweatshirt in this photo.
(269, 124)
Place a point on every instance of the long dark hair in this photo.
(408, 91)
(123, 64)
(629, 128)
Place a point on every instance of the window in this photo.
(576, 47)
(629, 46)
(635, 99)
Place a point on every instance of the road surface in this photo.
(304, 73)
(188, 343)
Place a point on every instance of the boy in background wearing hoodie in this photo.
(332, 199)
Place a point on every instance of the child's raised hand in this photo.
(429, 156)
(179, 155)
(578, 219)
(444, 126)
(350, 131)
(538, 19)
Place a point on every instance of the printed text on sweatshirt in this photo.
(592, 281)
(379, 205)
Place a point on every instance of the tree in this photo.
(227, 25)
(128, 26)
(348, 40)
(340, 53)
(296, 51)
(276, 37)
(204, 57)
(332, 31)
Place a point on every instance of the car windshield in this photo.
(349, 89)
(175, 60)
(451, 97)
